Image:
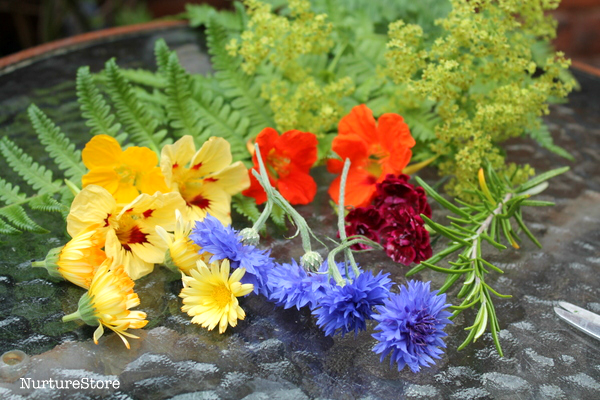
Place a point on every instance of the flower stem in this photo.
(72, 316)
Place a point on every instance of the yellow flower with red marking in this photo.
(130, 230)
(108, 302)
(78, 260)
(210, 295)
(125, 174)
(206, 179)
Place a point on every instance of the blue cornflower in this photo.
(346, 308)
(291, 286)
(411, 325)
(225, 242)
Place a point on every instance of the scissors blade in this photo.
(590, 316)
(579, 322)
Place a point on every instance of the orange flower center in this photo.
(377, 156)
(278, 165)
(221, 295)
(126, 174)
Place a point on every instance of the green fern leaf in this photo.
(181, 109)
(278, 216)
(9, 193)
(16, 215)
(246, 206)
(241, 89)
(144, 77)
(34, 174)
(543, 136)
(130, 110)
(48, 204)
(57, 144)
(93, 106)
(162, 54)
(7, 229)
(220, 120)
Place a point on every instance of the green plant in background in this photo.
(488, 219)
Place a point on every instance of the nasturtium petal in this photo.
(101, 151)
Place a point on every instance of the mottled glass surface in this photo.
(281, 354)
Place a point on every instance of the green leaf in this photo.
(93, 106)
(131, 111)
(9, 193)
(542, 135)
(34, 174)
(181, 109)
(57, 144)
(246, 206)
(242, 90)
(443, 202)
(541, 178)
(15, 214)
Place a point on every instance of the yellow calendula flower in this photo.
(125, 174)
(205, 178)
(210, 295)
(182, 253)
(78, 260)
(108, 302)
(130, 230)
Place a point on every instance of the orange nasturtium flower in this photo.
(288, 159)
(125, 174)
(206, 179)
(130, 230)
(78, 260)
(375, 149)
(107, 303)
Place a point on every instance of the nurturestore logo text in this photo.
(83, 383)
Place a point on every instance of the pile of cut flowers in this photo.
(357, 88)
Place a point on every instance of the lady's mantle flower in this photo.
(346, 308)
(210, 295)
(78, 260)
(125, 174)
(205, 178)
(226, 243)
(107, 303)
(130, 230)
(411, 325)
(375, 149)
(182, 252)
(288, 159)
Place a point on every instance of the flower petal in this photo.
(299, 147)
(359, 122)
(213, 156)
(298, 187)
(101, 151)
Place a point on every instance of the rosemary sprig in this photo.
(485, 221)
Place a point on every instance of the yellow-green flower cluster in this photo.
(480, 74)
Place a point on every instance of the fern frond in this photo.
(93, 106)
(130, 110)
(144, 77)
(246, 206)
(9, 193)
(181, 109)
(202, 14)
(278, 216)
(544, 138)
(60, 148)
(422, 123)
(162, 54)
(6, 229)
(34, 174)
(241, 89)
(16, 215)
(220, 120)
(48, 204)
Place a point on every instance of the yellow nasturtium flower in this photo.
(205, 178)
(107, 303)
(125, 174)
(78, 260)
(130, 230)
(210, 295)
